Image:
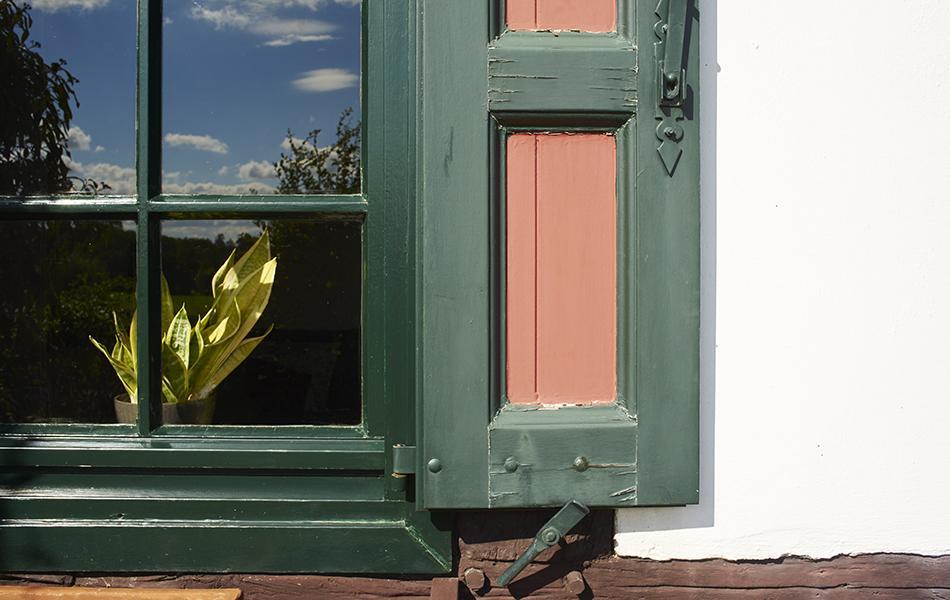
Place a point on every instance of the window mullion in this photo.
(149, 176)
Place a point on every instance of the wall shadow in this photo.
(631, 521)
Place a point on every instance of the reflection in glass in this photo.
(66, 111)
(62, 280)
(306, 370)
(261, 97)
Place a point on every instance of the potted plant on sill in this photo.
(196, 358)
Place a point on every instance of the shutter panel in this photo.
(558, 258)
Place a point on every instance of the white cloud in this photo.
(57, 5)
(256, 169)
(223, 171)
(207, 187)
(198, 142)
(99, 149)
(260, 17)
(285, 145)
(120, 179)
(293, 38)
(326, 80)
(231, 229)
(79, 139)
(228, 16)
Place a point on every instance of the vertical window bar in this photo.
(148, 154)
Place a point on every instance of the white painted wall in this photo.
(826, 285)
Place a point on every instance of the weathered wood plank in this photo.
(483, 545)
(565, 73)
(36, 592)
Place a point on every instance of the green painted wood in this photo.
(51, 207)
(148, 136)
(215, 207)
(666, 363)
(453, 250)
(653, 430)
(195, 453)
(76, 497)
(537, 456)
(377, 547)
(568, 72)
(179, 487)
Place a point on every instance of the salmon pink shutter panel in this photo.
(580, 15)
(561, 278)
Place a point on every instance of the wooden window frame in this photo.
(645, 447)
(154, 498)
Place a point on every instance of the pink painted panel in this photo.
(562, 208)
(521, 279)
(582, 15)
(522, 14)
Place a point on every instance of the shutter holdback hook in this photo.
(553, 531)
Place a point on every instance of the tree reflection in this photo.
(35, 104)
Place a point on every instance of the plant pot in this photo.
(196, 412)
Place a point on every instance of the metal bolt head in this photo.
(581, 463)
(550, 536)
(511, 464)
(669, 132)
(672, 81)
(574, 583)
(475, 580)
(434, 465)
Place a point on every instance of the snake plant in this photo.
(196, 357)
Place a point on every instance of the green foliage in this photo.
(311, 169)
(196, 357)
(35, 107)
(63, 279)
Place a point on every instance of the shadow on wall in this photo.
(703, 514)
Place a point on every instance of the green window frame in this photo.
(435, 124)
(155, 498)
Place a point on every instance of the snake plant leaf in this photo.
(249, 300)
(128, 350)
(174, 373)
(124, 371)
(134, 338)
(226, 327)
(178, 335)
(235, 358)
(196, 359)
(196, 346)
(168, 309)
(216, 281)
(254, 258)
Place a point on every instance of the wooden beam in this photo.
(37, 592)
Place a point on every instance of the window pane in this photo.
(307, 293)
(62, 281)
(67, 122)
(261, 97)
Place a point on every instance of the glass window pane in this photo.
(67, 112)
(62, 281)
(261, 97)
(303, 295)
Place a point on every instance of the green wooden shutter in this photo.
(478, 84)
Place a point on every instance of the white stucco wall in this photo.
(826, 285)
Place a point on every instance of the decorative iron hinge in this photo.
(552, 533)
(671, 89)
(404, 460)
